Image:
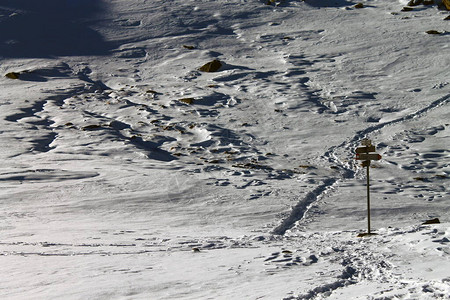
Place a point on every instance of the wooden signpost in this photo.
(363, 153)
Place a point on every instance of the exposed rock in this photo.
(12, 75)
(432, 221)
(359, 5)
(433, 32)
(187, 100)
(152, 92)
(212, 66)
(188, 47)
(91, 127)
(428, 2)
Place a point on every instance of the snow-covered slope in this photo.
(128, 173)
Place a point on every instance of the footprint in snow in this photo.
(287, 259)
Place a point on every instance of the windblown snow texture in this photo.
(130, 172)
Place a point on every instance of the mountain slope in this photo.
(130, 173)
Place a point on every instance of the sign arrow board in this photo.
(366, 149)
(371, 156)
(363, 153)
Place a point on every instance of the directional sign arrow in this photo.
(366, 149)
(372, 156)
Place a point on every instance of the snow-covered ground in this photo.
(128, 173)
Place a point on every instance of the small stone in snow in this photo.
(12, 75)
(432, 221)
(187, 100)
(212, 66)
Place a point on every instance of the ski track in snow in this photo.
(299, 211)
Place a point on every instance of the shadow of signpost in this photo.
(50, 28)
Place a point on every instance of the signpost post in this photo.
(363, 153)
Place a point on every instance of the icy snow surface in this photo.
(128, 173)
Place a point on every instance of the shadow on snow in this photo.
(329, 3)
(49, 28)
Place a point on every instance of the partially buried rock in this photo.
(406, 8)
(359, 5)
(187, 100)
(432, 221)
(91, 127)
(152, 92)
(212, 66)
(433, 32)
(12, 75)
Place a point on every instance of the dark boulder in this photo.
(212, 66)
(12, 75)
(432, 221)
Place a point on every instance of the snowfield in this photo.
(129, 173)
